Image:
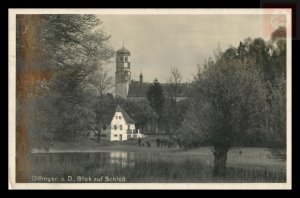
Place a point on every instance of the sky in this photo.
(159, 42)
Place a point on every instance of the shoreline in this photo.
(120, 148)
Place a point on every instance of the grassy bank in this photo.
(237, 156)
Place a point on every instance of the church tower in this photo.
(122, 75)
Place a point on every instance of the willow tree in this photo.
(227, 104)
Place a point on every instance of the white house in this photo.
(119, 127)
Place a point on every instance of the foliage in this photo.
(228, 95)
(173, 108)
(175, 85)
(240, 95)
(140, 111)
(76, 50)
(270, 57)
(275, 134)
(174, 115)
(228, 104)
(156, 98)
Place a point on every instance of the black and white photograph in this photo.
(150, 98)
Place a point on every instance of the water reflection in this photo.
(98, 162)
(124, 159)
(139, 167)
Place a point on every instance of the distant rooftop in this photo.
(137, 89)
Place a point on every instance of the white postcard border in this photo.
(12, 105)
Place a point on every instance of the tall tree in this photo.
(104, 84)
(76, 50)
(174, 95)
(82, 50)
(156, 98)
(227, 104)
(275, 134)
(175, 85)
(270, 56)
(278, 51)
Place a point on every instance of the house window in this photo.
(121, 127)
(115, 135)
(104, 127)
(128, 126)
(116, 117)
(120, 117)
(115, 127)
(126, 59)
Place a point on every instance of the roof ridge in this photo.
(126, 116)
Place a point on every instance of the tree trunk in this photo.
(220, 158)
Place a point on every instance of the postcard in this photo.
(150, 99)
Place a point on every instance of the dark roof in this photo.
(127, 118)
(184, 89)
(123, 51)
(110, 112)
(137, 89)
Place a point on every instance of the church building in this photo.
(126, 87)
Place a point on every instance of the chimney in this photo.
(141, 78)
